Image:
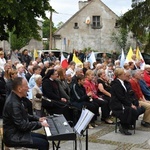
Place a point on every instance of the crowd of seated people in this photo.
(105, 90)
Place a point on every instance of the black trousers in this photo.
(40, 142)
(93, 107)
(128, 117)
(104, 107)
(1, 108)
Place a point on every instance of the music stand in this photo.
(82, 124)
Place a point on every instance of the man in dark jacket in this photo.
(17, 124)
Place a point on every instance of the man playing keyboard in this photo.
(18, 124)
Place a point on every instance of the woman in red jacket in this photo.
(91, 86)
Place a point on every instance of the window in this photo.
(117, 24)
(76, 25)
(96, 22)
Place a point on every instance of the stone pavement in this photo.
(104, 137)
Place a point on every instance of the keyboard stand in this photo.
(56, 146)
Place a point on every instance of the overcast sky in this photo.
(67, 8)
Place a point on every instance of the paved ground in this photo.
(104, 137)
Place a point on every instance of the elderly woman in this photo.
(120, 104)
(90, 86)
(103, 85)
(37, 101)
(147, 75)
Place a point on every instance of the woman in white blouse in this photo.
(2, 60)
(37, 101)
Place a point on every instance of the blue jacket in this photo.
(145, 89)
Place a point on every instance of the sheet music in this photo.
(83, 121)
(78, 124)
(47, 130)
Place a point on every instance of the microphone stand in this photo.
(67, 104)
(71, 106)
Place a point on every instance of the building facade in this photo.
(92, 26)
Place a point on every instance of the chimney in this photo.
(83, 3)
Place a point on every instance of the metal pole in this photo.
(50, 38)
(10, 40)
(86, 139)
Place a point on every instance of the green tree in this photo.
(46, 28)
(17, 42)
(120, 37)
(136, 2)
(46, 31)
(137, 20)
(21, 15)
(46, 45)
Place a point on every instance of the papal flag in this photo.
(140, 58)
(129, 55)
(76, 59)
(35, 54)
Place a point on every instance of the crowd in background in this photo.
(122, 92)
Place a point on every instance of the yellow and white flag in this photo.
(77, 60)
(129, 55)
(35, 54)
(140, 58)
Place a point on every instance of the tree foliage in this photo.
(21, 15)
(17, 42)
(46, 31)
(46, 28)
(120, 37)
(136, 2)
(137, 20)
